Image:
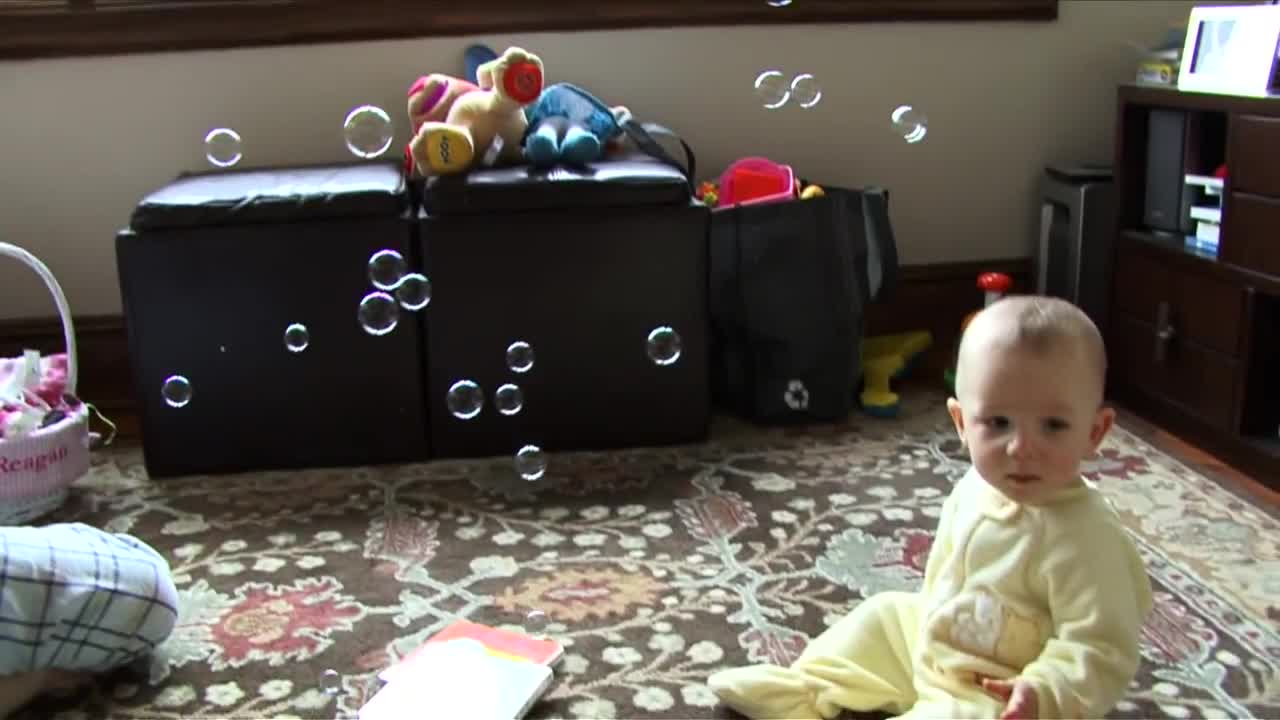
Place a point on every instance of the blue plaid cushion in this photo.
(78, 598)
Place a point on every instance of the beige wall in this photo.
(82, 140)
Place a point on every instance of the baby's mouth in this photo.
(1022, 478)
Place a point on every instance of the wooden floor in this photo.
(1202, 462)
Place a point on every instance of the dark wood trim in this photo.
(929, 297)
(1164, 96)
(936, 297)
(77, 29)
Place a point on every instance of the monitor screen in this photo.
(1212, 42)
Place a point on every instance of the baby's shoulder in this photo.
(1086, 524)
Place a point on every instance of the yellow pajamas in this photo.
(1054, 593)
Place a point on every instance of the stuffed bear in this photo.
(483, 124)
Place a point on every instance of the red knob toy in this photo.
(994, 282)
(523, 82)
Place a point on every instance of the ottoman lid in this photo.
(627, 181)
(271, 195)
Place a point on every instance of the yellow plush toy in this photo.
(483, 125)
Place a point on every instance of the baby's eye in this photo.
(1056, 424)
(998, 422)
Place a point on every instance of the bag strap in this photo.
(642, 135)
(748, 404)
(882, 250)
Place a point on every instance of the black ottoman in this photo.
(240, 293)
(602, 273)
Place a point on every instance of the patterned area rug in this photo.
(653, 567)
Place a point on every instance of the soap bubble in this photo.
(805, 90)
(509, 399)
(296, 337)
(387, 269)
(909, 123)
(535, 622)
(330, 682)
(796, 396)
(465, 399)
(222, 147)
(519, 356)
(368, 131)
(378, 313)
(176, 391)
(778, 3)
(414, 292)
(771, 88)
(663, 345)
(531, 462)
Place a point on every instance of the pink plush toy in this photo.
(430, 99)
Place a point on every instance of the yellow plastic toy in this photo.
(811, 191)
(886, 358)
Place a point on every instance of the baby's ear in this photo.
(1102, 424)
(957, 417)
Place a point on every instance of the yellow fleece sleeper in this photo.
(1055, 593)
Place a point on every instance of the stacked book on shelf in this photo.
(1206, 212)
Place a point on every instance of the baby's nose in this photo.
(1020, 445)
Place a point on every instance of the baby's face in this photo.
(1029, 418)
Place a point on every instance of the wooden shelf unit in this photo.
(1195, 337)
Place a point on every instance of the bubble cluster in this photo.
(774, 90)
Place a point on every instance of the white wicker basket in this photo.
(37, 470)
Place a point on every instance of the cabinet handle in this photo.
(1164, 332)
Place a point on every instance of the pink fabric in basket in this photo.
(53, 377)
(50, 391)
(47, 458)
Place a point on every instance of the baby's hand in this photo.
(1019, 696)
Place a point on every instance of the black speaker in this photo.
(1168, 199)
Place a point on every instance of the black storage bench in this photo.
(598, 272)
(217, 273)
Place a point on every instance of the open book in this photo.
(467, 670)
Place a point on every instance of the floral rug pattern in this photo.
(653, 567)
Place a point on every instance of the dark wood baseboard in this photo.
(928, 297)
(936, 298)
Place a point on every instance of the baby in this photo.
(1034, 596)
(76, 601)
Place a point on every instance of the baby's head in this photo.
(1029, 392)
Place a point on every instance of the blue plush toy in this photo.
(568, 125)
